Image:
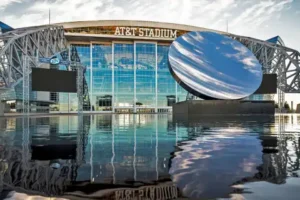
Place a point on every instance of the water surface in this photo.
(150, 157)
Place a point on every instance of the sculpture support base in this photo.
(224, 107)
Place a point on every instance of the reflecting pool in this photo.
(150, 157)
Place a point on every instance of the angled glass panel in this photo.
(101, 77)
(84, 51)
(145, 75)
(166, 93)
(124, 75)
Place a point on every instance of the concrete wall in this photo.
(226, 107)
(2, 108)
(298, 108)
(43, 96)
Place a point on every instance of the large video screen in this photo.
(268, 85)
(52, 80)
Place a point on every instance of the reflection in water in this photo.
(111, 156)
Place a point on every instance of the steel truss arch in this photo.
(27, 42)
(275, 58)
(45, 41)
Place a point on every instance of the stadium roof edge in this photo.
(77, 24)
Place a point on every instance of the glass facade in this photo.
(126, 77)
(101, 77)
(145, 62)
(123, 76)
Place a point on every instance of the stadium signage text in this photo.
(166, 192)
(146, 32)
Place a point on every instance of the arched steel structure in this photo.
(32, 43)
(44, 41)
(275, 58)
(21, 49)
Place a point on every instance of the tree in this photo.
(287, 106)
(138, 104)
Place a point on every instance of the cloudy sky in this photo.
(256, 18)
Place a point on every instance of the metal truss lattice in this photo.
(27, 42)
(45, 41)
(276, 59)
(20, 51)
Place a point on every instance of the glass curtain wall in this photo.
(166, 90)
(63, 98)
(115, 83)
(123, 77)
(83, 51)
(145, 62)
(101, 75)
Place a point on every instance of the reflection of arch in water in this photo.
(33, 172)
(278, 162)
(129, 167)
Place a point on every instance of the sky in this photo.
(261, 19)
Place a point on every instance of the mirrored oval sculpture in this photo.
(214, 66)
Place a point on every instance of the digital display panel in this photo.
(213, 66)
(52, 80)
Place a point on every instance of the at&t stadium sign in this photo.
(145, 32)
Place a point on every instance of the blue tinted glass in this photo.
(166, 91)
(145, 75)
(124, 75)
(84, 51)
(112, 81)
(101, 77)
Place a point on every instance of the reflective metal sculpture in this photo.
(214, 66)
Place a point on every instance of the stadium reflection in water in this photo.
(150, 156)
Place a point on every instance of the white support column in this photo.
(26, 93)
(91, 76)
(156, 86)
(70, 69)
(113, 77)
(134, 67)
(91, 158)
(134, 147)
(156, 147)
(25, 141)
(113, 151)
(80, 140)
(79, 68)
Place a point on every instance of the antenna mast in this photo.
(227, 25)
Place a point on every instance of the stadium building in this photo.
(126, 67)
(127, 64)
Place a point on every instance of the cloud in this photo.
(5, 3)
(209, 13)
(244, 17)
(258, 13)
